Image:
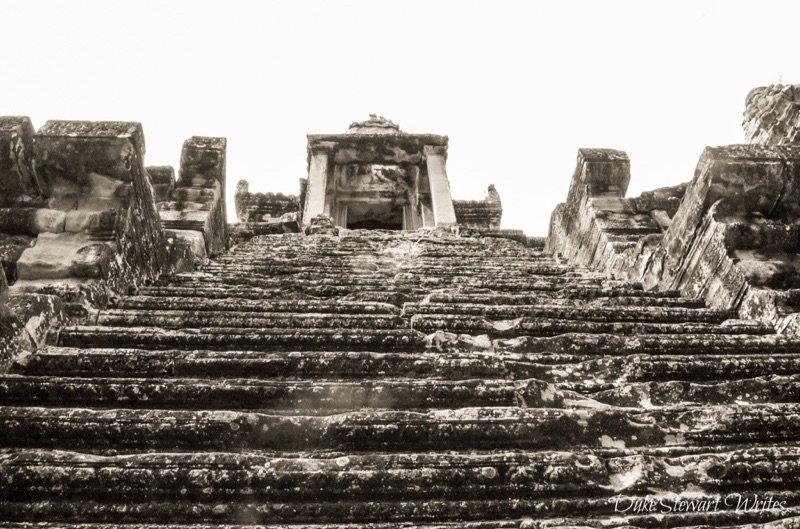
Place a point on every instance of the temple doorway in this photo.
(373, 216)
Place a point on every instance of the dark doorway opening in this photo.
(386, 216)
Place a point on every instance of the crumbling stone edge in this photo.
(731, 240)
(83, 221)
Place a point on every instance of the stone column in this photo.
(317, 181)
(441, 201)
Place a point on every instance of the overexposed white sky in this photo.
(518, 86)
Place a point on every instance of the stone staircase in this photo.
(400, 379)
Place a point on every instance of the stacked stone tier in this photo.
(399, 379)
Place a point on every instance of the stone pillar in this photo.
(317, 182)
(441, 201)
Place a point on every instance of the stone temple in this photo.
(373, 353)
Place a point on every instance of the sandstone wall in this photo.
(728, 236)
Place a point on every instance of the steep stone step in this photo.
(569, 296)
(446, 267)
(182, 319)
(206, 303)
(536, 326)
(298, 293)
(372, 261)
(296, 396)
(302, 292)
(231, 338)
(227, 476)
(347, 284)
(94, 362)
(613, 345)
(599, 313)
(592, 373)
(443, 429)
(678, 392)
(549, 514)
(187, 520)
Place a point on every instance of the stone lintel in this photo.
(435, 149)
(402, 137)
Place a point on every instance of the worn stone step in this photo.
(679, 392)
(380, 268)
(359, 281)
(294, 396)
(567, 296)
(494, 524)
(583, 313)
(66, 361)
(183, 319)
(296, 293)
(613, 345)
(230, 476)
(205, 303)
(440, 429)
(301, 292)
(540, 326)
(231, 338)
(592, 373)
(540, 511)
(297, 261)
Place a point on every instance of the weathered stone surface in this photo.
(162, 177)
(11, 248)
(197, 202)
(74, 150)
(729, 241)
(376, 176)
(772, 115)
(440, 378)
(262, 207)
(485, 213)
(19, 180)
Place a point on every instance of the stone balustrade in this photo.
(79, 221)
(728, 236)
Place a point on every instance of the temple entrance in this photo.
(374, 216)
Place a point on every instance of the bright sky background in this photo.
(518, 86)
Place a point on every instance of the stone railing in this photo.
(732, 239)
(597, 226)
(80, 224)
(194, 209)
